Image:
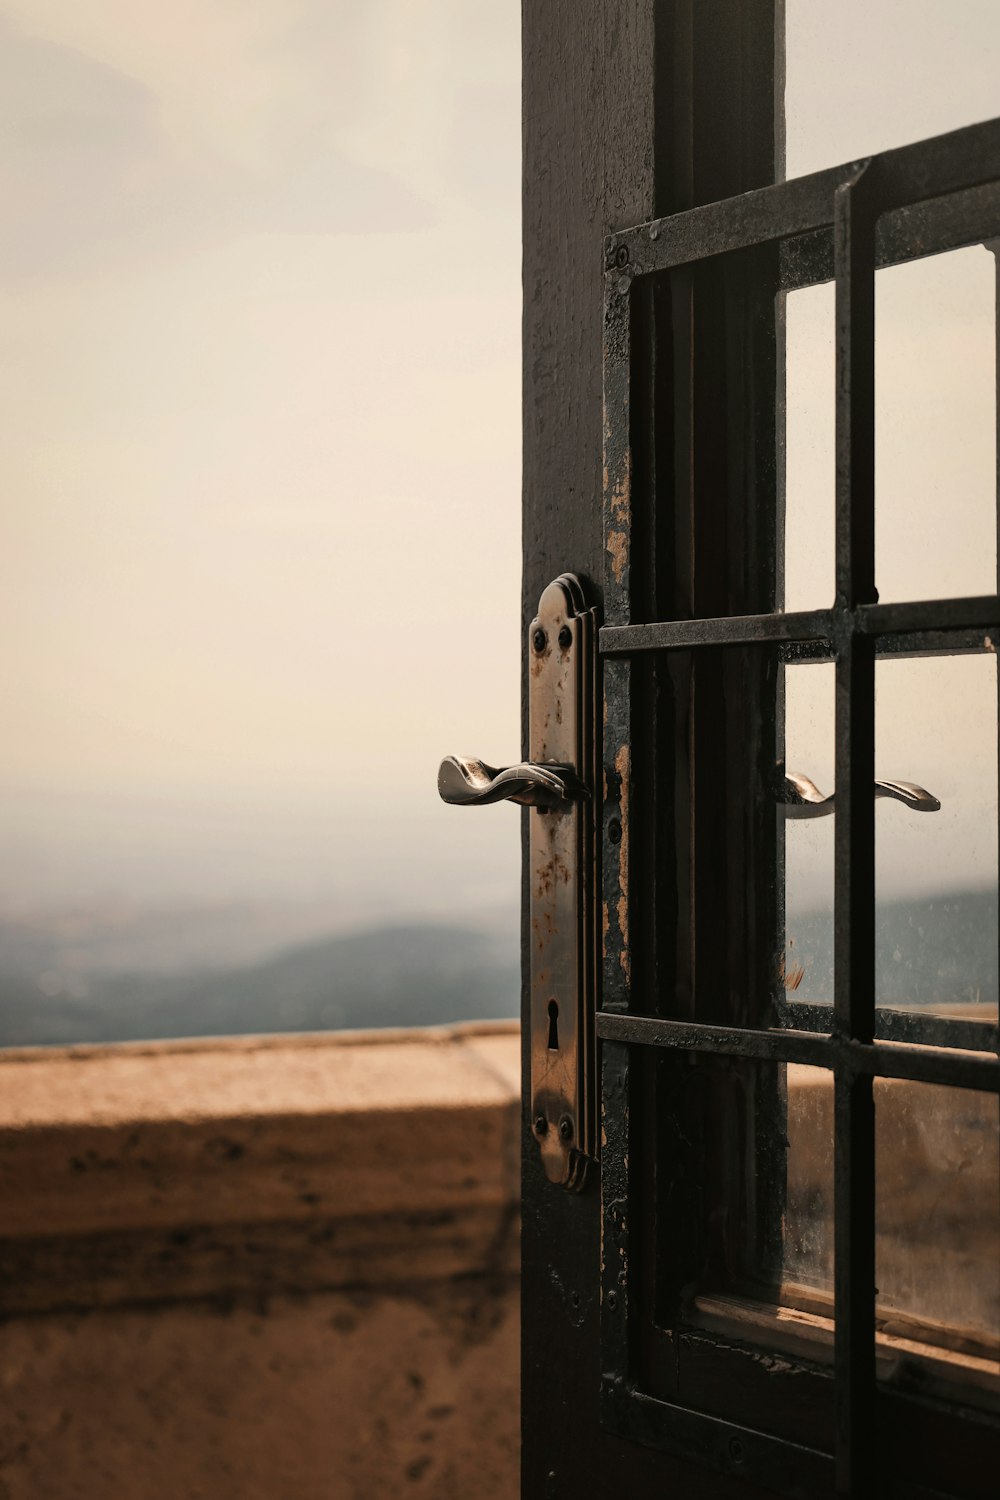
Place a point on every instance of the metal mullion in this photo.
(994, 247)
(919, 615)
(781, 1045)
(725, 630)
(926, 1029)
(943, 166)
(909, 645)
(614, 1063)
(854, 844)
(948, 1066)
(913, 232)
(916, 627)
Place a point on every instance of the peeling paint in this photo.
(617, 546)
(622, 766)
(621, 495)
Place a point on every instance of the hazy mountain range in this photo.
(201, 973)
(400, 975)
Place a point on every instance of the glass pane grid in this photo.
(857, 1044)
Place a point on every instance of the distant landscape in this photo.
(938, 950)
(87, 984)
(120, 975)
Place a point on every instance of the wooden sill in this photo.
(182, 1169)
(901, 1358)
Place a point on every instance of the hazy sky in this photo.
(259, 364)
(260, 286)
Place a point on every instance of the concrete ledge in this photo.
(182, 1170)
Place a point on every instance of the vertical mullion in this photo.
(854, 847)
(994, 247)
(615, 1065)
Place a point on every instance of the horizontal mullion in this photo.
(946, 1066)
(915, 644)
(976, 612)
(900, 1026)
(759, 217)
(959, 162)
(904, 234)
(777, 1045)
(922, 621)
(726, 630)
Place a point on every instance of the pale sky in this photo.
(260, 317)
(259, 362)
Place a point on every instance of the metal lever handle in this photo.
(803, 799)
(473, 783)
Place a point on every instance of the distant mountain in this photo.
(941, 950)
(88, 984)
(405, 975)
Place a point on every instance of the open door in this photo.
(734, 1258)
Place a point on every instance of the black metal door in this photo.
(663, 1350)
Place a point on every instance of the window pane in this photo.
(808, 1230)
(810, 410)
(935, 427)
(938, 1215)
(936, 872)
(865, 75)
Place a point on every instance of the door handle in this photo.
(802, 798)
(557, 786)
(474, 783)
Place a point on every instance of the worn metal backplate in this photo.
(561, 731)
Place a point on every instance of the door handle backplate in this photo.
(557, 784)
(562, 731)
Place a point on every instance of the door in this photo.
(720, 1310)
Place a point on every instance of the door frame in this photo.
(630, 112)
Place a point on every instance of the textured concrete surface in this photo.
(340, 1396)
(180, 1170)
(247, 1269)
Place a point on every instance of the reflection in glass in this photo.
(935, 427)
(936, 873)
(938, 1214)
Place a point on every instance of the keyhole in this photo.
(553, 1026)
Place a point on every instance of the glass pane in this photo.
(865, 75)
(807, 963)
(809, 418)
(808, 1226)
(935, 427)
(936, 872)
(938, 1215)
(260, 286)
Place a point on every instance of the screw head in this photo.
(621, 255)
(541, 1125)
(566, 1128)
(565, 638)
(615, 831)
(612, 1300)
(539, 640)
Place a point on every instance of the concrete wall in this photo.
(258, 1269)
